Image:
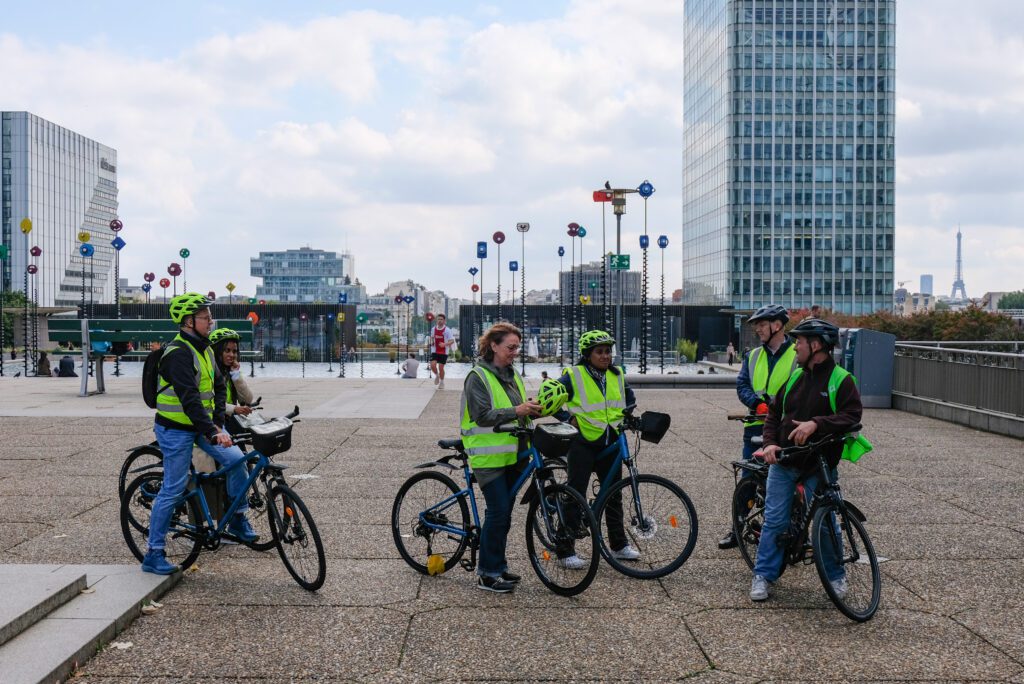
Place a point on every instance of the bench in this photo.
(139, 331)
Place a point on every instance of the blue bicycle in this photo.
(201, 518)
(652, 513)
(434, 521)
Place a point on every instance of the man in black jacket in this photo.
(190, 411)
(802, 410)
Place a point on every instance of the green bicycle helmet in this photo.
(594, 338)
(223, 335)
(552, 396)
(187, 304)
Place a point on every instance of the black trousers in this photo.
(585, 459)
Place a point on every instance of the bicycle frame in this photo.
(197, 491)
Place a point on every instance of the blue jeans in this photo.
(497, 521)
(176, 446)
(779, 493)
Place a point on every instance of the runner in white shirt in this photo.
(441, 339)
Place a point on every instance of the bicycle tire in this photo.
(572, 521)
(294, 529)
(132, 461)
(183, 545)
(748, 518)
(863, 594)
(406, 527)
(259, 507)
(665, 537)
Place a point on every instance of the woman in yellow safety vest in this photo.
(238, 395)
(492, 394)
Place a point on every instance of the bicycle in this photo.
(661, 521)
(144, 457)
(433, 520)
(809, 538)
(193, 528)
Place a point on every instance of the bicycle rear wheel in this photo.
(560, 524)
(138, 458)
(416, 541)
(182, 545)
(748, 517)
(298, 540)
(840, 541)
(659, 520)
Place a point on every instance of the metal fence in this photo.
(989, 381)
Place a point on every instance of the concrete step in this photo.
(51, 648)
(30, 592)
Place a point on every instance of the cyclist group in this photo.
(790, 383)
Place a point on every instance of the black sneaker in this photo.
(495, 584)
(511, 577)
(728, 541)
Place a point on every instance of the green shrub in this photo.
(293, 353)
(687, 349)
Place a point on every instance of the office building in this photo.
(64, 183)
(306, 275)
(788, 161)
(588, 283)
(927, 284)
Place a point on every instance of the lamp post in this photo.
(184, 254)
(3, 326)
(254, 318)
(645, 190)
(573, 230)
(87, 251)
(513, 267)
(360, 339)
(408, 299)
(523, 229)
(473, 270)
(230, 287)
(303, 338)
(498, 238)
(165, 283)
(32, 269)
(561, 305)
(604, 196)
(149, 278)
(581, 233)
(342, 301)
(118, 244)
(619, 208)
(83, 237)
(174, 270)
(663, 243)
(481, 253)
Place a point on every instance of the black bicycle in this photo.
(201, 516)
(827, 531)
(434, 521)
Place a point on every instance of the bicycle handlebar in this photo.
(294, 413)
(797, 449)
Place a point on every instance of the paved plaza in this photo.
(942, 501)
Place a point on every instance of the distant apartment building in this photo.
(586, 279)
(789, 153)
(927, 284)
(306, 275)
(64, 183)
(906, 303)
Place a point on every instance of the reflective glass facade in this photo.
(788, 161)
(306, 275)
(65, 183)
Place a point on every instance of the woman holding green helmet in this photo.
(596, 399)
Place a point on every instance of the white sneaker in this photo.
(441, 385)
(841, 587)
(627, 552)
(436, 379)
(759, 589)
(573, 562)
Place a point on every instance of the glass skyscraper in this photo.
(306, 275)
(788, 153)
(64, 183)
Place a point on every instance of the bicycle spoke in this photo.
(422, 526)
(846, 563)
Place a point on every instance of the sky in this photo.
(407, 131)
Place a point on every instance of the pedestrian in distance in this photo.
(411, 366)
(441, 340)
(493, 394)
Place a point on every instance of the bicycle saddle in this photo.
(450, 444)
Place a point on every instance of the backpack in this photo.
(151, 376)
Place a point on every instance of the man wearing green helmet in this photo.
(190, 410)
(598, 398)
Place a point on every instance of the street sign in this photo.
(230, 287)
(184, 253)
(481, 250)
(645, 242)
(523, 227)
(602, 195)
(84, 236)
(341, 316)
(26, 226)
(116, 225)
(86, 250)
(663, 241)
(361, 317)
(513, 266)
(343, 298)
(118, 243)
(618, 262)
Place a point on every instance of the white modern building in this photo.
(64, 183)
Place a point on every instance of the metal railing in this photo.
(989, 381)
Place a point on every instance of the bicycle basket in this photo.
(272, 437)
(553, 439)
(654, 425)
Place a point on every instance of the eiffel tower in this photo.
(958, 284)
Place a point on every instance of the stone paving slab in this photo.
(942, 502)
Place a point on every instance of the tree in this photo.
(1012, 300)
(380, 337)
(942, 306)
(13, 299)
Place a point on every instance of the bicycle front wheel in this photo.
(139, 458)
(562, 540)
(182, 543)
(259, 516)
(656, 517)
(426, 503)
(748, 517)
(298, 540)
(846, 562)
